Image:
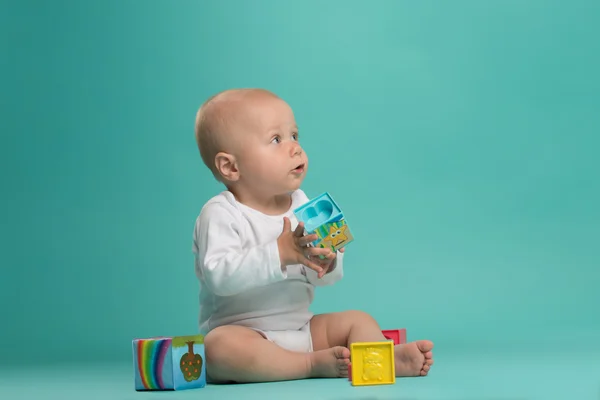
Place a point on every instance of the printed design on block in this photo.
(373, 365)
(333, 234)
(190, 364)
(151, 354)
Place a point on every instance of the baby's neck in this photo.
(269, 205)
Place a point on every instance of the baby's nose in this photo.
(296, 149)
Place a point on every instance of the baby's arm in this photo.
(222, 263)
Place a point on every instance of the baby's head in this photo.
(248, 138)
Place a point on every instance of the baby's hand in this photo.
(294, 249)
(327, 262)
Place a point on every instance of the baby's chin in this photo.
(298, 182)
(292, 187)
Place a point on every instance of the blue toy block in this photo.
(324, 217)
(169, 363)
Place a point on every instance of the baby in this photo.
(257, 275)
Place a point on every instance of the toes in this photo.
(429, 362)
(424, 345)
(429, 354)
(426, 368)
(343, 367)
(346, 353)
(341, 352)
(343, 362)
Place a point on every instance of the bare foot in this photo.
(330, 363)
(413, 359)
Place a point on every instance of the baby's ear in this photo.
(226, 165)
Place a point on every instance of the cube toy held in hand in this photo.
(169, 363)
(324, 217)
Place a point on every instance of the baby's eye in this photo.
(295, 136)
(276, 139)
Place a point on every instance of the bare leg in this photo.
(239, 354)
(344, 328)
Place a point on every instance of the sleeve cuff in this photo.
(274, 262)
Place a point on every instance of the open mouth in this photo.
(299, 169)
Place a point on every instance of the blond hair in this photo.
(214, 122)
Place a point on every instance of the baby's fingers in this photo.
(306, 261)
(320, 251)
(304, 240)
(299, 231)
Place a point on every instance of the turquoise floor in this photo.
(570, 373)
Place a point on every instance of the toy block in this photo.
(372, 363)
(397, 335)
(169, 363)
(324, 217)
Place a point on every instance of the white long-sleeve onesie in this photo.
(239, 271)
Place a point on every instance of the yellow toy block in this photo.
(372, 363)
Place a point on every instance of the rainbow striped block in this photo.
(324, 217)
(169, 363)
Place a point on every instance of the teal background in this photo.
(460, 139)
